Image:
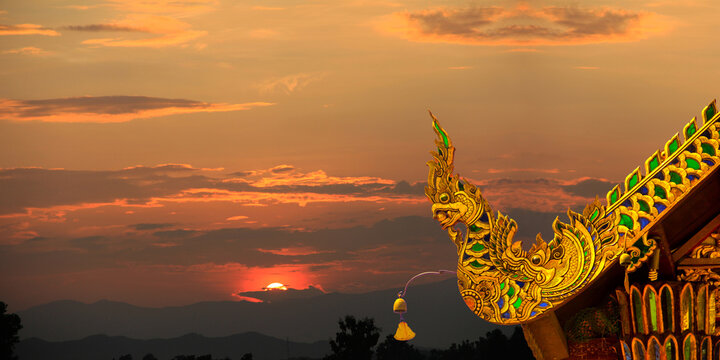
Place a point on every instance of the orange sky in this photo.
(151, 146)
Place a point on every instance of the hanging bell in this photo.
(403, 332)
(400, 306)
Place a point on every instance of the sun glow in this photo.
(276, 286)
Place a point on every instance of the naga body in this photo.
(499, 280)
(505, 284)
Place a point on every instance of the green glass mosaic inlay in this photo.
(475, 264)
(693, 164)
(690, 130)
(644, 206)
(672, 148)
(637, 309)
(594, 215)
(626, 221)
(614, 197)
(652, 306)
(654, 163)
(710, 112)
(708, 149)
(660, 192)
(502, 285)
(478, 247)
(442, 134)
(474, 228)
(511, 291)
(517, 303)
(669, 349)
(675, 178)
(666, 305)
(633, 180)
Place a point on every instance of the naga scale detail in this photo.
(504, 284)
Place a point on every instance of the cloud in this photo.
(192, 223)
(295, 251)
(171, 31)
(47, 192)
(52, 195)
(290, 83)
(542, 195)
(103, 27)
(26, 29)
(147, 226)
(236, 218)
(588, 187)
(174, 39)
(108, 109)
(28, 50)
(281, 169)
(523, 25)
(175, 8)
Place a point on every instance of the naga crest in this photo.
(505, 284)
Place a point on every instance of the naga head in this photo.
(454, 200)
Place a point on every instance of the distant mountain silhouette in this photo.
(435, 312)
(102, 347)
(282, 295)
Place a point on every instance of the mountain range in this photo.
(304, 320)
(435, 312)
(103, 347)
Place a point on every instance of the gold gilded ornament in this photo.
(504, 284)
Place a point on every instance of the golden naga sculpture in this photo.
(504, 284)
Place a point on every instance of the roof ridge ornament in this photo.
(503, 284)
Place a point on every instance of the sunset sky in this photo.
(164, 152)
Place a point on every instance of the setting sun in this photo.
(276, 286)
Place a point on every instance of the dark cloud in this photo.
(399, 246)
(582, 22)
(93, 105)
(590, 188)
(40, 188)
(23, 188)
(242, 173)
(282, 169)
(93, 243)
(455, 22)
(524, 24)
(108, 109)
(405, 188)
(103, 27)
(151, 226)
(175, 234)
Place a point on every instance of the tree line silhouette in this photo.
(357, 339)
